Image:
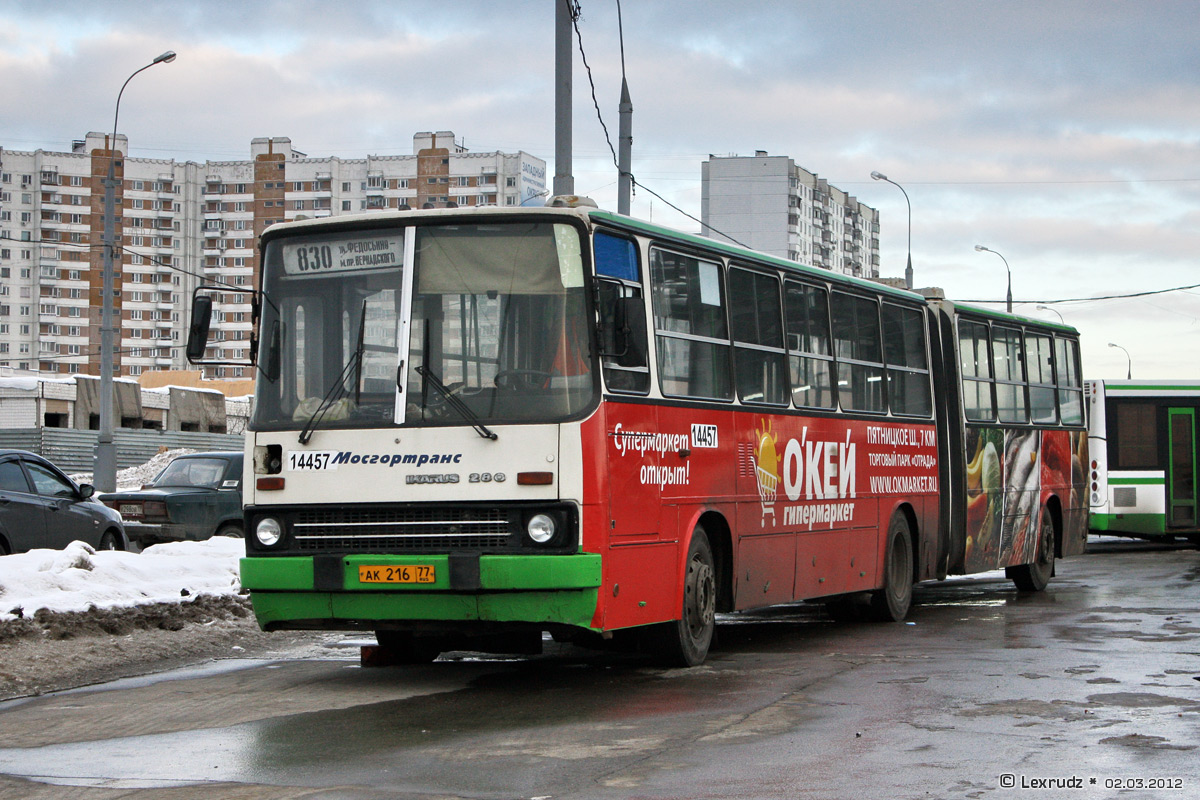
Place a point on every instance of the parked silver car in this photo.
(41, 507)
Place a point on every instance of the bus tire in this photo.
(1035, 577)
(685, 642)
(890, 604)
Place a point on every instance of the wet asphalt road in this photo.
(1096, 678)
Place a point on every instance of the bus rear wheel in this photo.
(891, 603)
(685, 642)
(1035, 577)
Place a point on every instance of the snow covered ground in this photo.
(79, 577)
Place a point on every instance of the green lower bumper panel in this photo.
(1134, 524)
(363, 588)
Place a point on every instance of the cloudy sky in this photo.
(1064, 135)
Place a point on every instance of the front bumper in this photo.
(324, 591)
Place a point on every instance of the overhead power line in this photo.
(1100, 297)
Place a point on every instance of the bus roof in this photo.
(1004, 316)
(632, 225)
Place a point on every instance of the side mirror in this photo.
(197, 339)
(203, 300)
(86, 490)
(270, 366)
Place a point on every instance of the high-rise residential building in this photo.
(183, 223)
(770, 204)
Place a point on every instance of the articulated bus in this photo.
(475, 426)
(1144, 456)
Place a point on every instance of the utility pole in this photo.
(564, 16)
(104, 468)
(625, 151)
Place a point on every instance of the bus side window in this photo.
(758, 355)
(909, 392)
(976, 371)
(1070, 390)
(859, 352)
(623, 350)
(809, 355)
(1007, 356)
(689, 318)
(1041, 378)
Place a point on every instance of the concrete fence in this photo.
(74, 450)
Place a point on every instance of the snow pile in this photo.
(135, 477)
(78, 577)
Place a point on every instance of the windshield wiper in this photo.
(338, 390)
(457, 404)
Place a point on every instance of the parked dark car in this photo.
(41, 507)
(195, 497)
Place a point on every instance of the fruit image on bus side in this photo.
(985, 496)
(1022, 481)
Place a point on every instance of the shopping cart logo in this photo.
(766, 469)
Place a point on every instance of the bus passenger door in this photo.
(1181, 468)
(640, 562)
(633, 460)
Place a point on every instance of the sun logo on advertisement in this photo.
(767, 468)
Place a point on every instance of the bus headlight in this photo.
(268, 531)
(541, 528)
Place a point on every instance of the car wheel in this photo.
(233, 530)
(109, 541)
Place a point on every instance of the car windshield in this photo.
(497, 333)
(205, 472)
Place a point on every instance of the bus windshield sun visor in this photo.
(456, 404)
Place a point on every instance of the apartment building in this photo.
(181, 223)
(770, 204)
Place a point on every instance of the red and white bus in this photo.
(472, 426)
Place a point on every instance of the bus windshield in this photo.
(496, 328)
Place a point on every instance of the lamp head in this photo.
(981, 248)
(165, 58)
(1113, 344)
(879, 176)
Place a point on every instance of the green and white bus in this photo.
(1143, 446)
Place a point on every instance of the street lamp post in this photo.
(908, 271)
(1128, 359)
(983, 249)
(1052, 311)
(104, 471)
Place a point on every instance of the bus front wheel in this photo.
(685, 642)
(890, 604)
(1035, 577)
